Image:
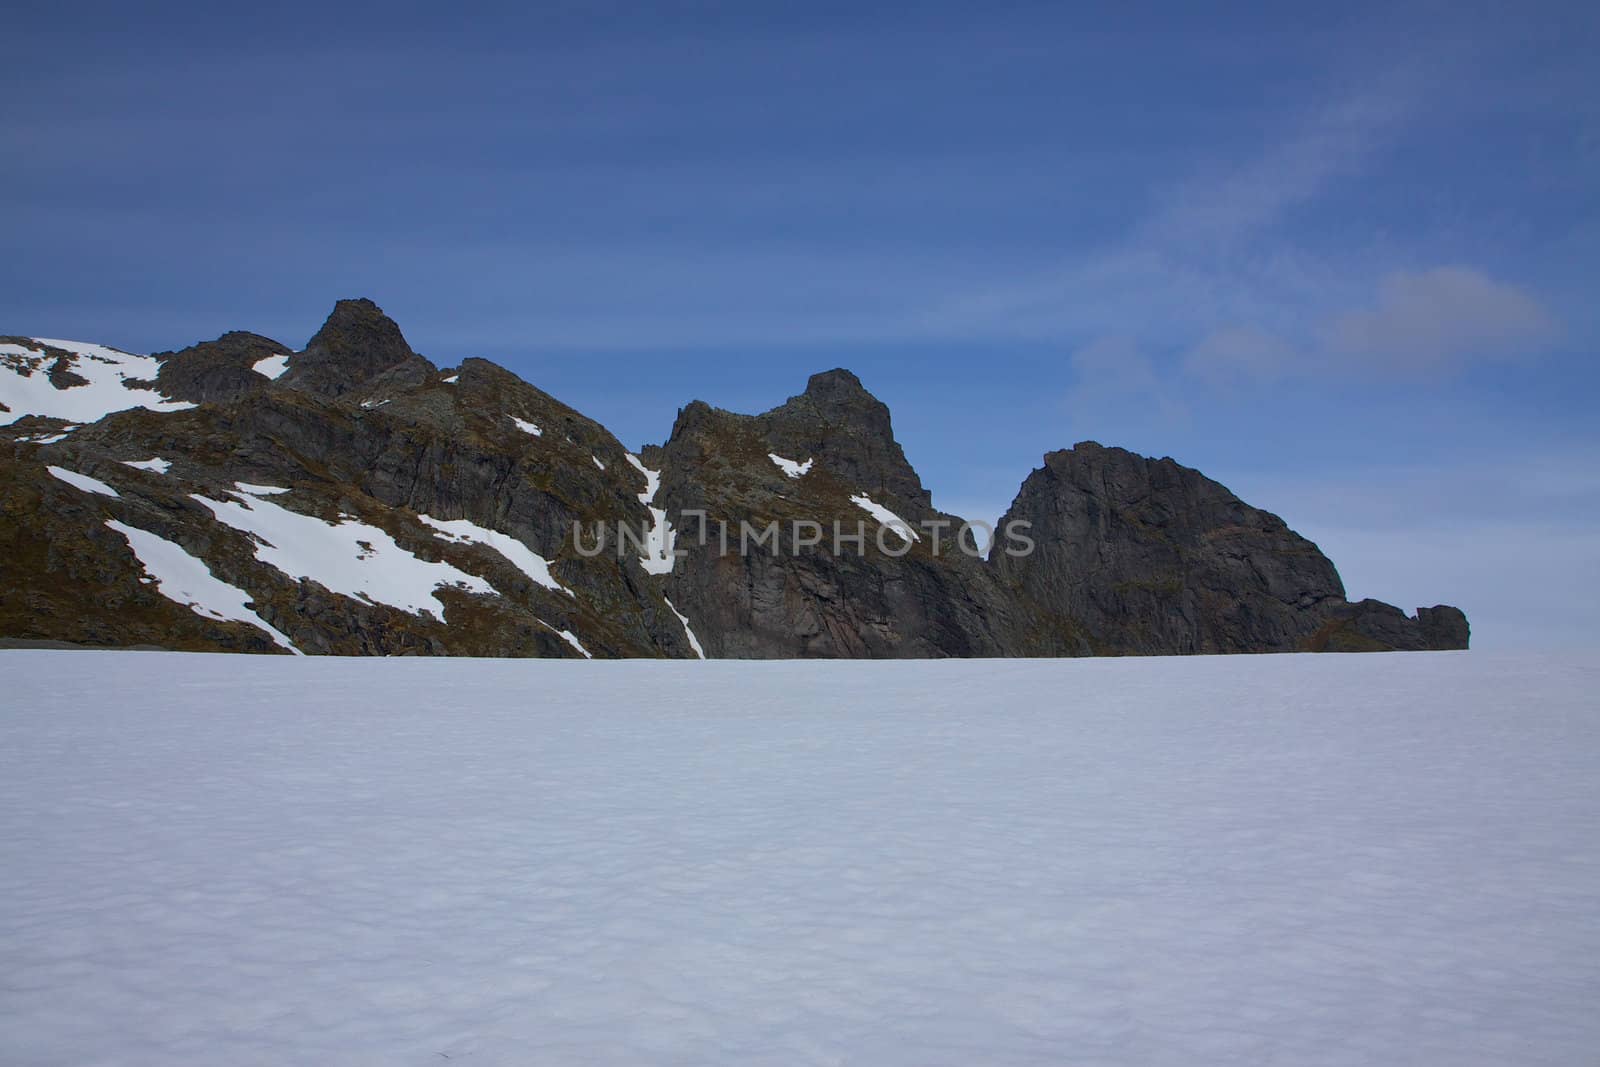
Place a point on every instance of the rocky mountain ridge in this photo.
(353, 498)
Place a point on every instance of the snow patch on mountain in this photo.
(659, 542)
(790, 467)
(83, 482)
(272, 367)
(26, 389)
(186, 580)
(50, 438)
(694, 642)
(155, 465)
(525, 559)
(526, 427)
(886, 517)
(347, 557)
(569, 637)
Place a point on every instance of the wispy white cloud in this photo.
(1422, 326)
(1425, 323)
(1331, 141)
(1248, 353)
(1203, 256)
(1439, 319)
(1114, 373)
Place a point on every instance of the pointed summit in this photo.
(847, 428)
(839, 395)
(356, 343)
(835, 383)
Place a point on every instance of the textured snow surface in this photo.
(106, 370)
(1293, 860)
(82, 482)
(886, 517)
(346, 557)
(189, 581)
(790, 467)
(525, 559)
(271, 366)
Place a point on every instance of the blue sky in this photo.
(1340, 258)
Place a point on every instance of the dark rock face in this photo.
(1133, 555)
(1144, 556)
(69, 578)
(810, 601)
(217, 371)
(356, 344)
(1444, 627)
(62, 376)
(848, 431)
(1366, 626)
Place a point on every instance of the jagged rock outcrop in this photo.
(356, 344)
(217, 371)
(352, 498)
(382, 442)
(847, 431)
(1444, 627)
(1144, 556)
(886, 596)
(68, 577)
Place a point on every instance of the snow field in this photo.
(525, 559)
(187, 580)
(348, 557)
(106, 372)
(1386, 859)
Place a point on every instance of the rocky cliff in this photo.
(353, 498)
(829, 457)
(1145, 556)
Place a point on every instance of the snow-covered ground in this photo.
(101, 387)
(1385, 859)
(348, 557)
